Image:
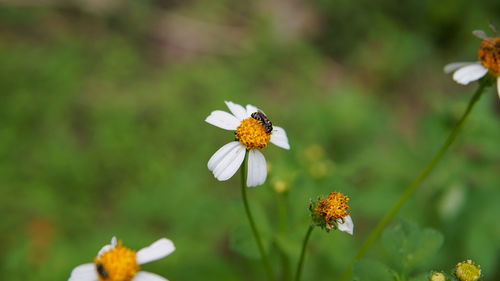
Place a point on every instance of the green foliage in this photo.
(409, 248)
(102, 134)
(373, 270)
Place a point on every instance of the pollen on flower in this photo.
(117, 264)
(333, 207)
(489, 54)
(252, 134)
(468, 271)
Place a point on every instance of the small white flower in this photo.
(115, 262)
(466, 72)
(252, 135)
(332, 212)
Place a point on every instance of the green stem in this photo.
(255, 232)
(303, 253)
(409, 190)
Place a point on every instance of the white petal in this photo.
(469, 73)
(449, 68)
(147, 276)
(237, 110)
(220, 154)
(226, 161)
(104, 249)
(347, 226)
(223, 120)
(498, 86)
(107, 247)
(279, 137)
(257, 168)
(84, 272)
(251, 109)
(159, 249)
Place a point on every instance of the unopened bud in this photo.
(437, 276)
(468, 271)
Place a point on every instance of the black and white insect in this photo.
(260, 116)
(101, 270)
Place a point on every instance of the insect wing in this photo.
(494, 29)
(480, 34)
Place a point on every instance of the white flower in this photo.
(332, 212)
(252, 135)
(115, 262)
(466, 72)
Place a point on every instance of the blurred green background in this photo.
(102, 132)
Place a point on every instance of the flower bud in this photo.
(468, 271)
(437, 276)
(332, 213)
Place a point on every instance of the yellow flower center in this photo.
(252, 134)
(468, 271)
(117, 264)
(334, 207)
(489, 54)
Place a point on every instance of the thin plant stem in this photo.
(409, 190)
(255, 232)
(303, 253)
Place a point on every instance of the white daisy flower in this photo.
(489, 62)
(115, 262)
(253, 132)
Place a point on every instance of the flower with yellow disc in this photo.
(489, 61)
(332, 213)
(114, 262)
(253, 132)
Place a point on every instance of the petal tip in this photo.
(159, 249)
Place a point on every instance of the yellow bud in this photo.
(438, 276)
(468, 271)
(314, 152)
(280, 186)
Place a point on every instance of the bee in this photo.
(101, 270)
(260, 116)
(489, 50)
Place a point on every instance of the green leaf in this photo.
(409, 246)
(366, 269)
(395, 243)
(429, 242)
